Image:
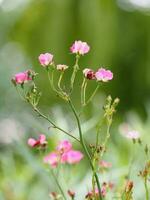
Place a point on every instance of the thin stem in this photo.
(93, 94)
(57, 183)
(85, 148)
(59, 81)
(146, 188)
(54, 125)
(75, 70)
(82, 88)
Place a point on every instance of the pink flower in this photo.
(80, 47)
(62, 67)
(103, 75)
(40, 141)
(45, 59)
(105, 164)
(64, 146)
(22, 78)
(89, 73)
(52, 159)
(73, 157)
(128, 132)
(133, 134)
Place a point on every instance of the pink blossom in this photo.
(64, 146)
(127, 131)
(80, 47)
(73, 157)
(105, 164)
(89, 73)
(52, 159)
(133, 134)
(62, 67)
(40, 141)
(22, 77)
(45, 59)
(103, 75)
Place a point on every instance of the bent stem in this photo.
(85, 148)
(57, 183)
(75, 70)
(54, 125)
(93, 94)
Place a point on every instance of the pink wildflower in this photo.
(105, 164)
(80, 47)
(89, 73)
(103, 75)
(21, 78)
(73, 157)
(52, 159)
(128, 132)
(133, 134)
(45, 59)
(64, 146)
(39, 142)
(62, 67)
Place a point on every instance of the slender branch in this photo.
(59, 81)
(54, 125)
(93, 94)
(57, 183)
(146, 188)
(75, 70)
(85, 148)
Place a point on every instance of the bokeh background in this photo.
(118, 32)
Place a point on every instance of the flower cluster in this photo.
(41, 141)
(64, 153)
(100, 75)
(80, 48)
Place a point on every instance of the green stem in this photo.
(146, 188)
(59, 81)
(85, 148)
(75, 70)
(54, 125)
(93, 94)
(57, 183)
(82, 88)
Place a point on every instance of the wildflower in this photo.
(105, 164)
(132, 134)
(63, 154)
(62, 67)
(80, 48)
(73, 157)
(45, 59)
(103, 75)
(52, 159)
(21, 78)
(64, 146)
(41, 141)
(89, 73)
(128, 132)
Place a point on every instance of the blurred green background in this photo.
(118, 33)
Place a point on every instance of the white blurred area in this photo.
(131, 5)
(10, 5)
(11, 130)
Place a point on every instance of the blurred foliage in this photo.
(119, 35)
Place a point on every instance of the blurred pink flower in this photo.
(132, 134)
(80, 47)
(52, 159)
(103, 75)
(73, 157)
(89, 73)
(45, 59)
(64, 146)
(40, 141)
(22, 77)
(105, 164)
(127, 131)
(62, 67)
